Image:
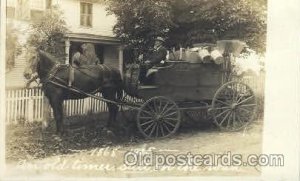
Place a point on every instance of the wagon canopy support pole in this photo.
(121, 48)
(67, 51)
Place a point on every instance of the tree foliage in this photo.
(47, 33)
(140, 22)
(184, 22)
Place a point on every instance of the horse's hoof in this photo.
(110, 134)
(57, 138)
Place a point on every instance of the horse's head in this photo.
(32, 57)
(39, 62)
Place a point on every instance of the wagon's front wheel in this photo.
(233, 106)
(158, 117)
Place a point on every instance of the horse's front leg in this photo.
(110, 94)
(113, 111)
(58, 116)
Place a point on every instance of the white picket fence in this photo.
(24, 104)
(28, 104)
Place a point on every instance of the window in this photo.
(86, 12)
(10, 3)
(10, 8)
(37, 4)
(37, 8)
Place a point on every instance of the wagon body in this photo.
(184, 81)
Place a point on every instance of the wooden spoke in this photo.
(221, 108)
(169, 123)
(163, 109)
(166, 111)
(146, 129)
(245, 100)
(222, 102)
(229, 120)
(170, 119)
(147, 112)
(159, 107)
(170, 114)
(166, 126)
(222, 113)
(233, 119)
(247, 105)
(151, 109)
(244, 109)
(224, 118)
(238, 118)
(152, 130)
(151, 121)
(156, 128)
(162, 129)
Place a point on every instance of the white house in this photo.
(87, 22)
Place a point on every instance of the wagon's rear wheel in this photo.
(158, 117)
(233, 106)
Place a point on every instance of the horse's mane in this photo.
(48, 56)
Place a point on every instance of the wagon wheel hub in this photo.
(234, 106)
(158, 118)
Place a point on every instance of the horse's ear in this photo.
(41, 52)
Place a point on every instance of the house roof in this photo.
(92, 38)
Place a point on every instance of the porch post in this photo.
(121, 48)
(67, 50)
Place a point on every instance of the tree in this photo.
(12, 46)
(47, 33)
(208, 21)
(184, 22)
(140, 22)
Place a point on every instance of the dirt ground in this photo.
(31, 151)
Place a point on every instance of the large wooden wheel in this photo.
(233, 106)
(158, 117)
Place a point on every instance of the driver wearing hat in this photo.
(159, 53)
(157, 56)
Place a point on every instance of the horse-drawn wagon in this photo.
(178, 86)
(188, 85)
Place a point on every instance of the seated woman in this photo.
(85, 55)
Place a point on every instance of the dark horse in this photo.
(88, 78)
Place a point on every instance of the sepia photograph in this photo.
(97, 89)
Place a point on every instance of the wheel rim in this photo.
(158, 117)
(234, 106)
